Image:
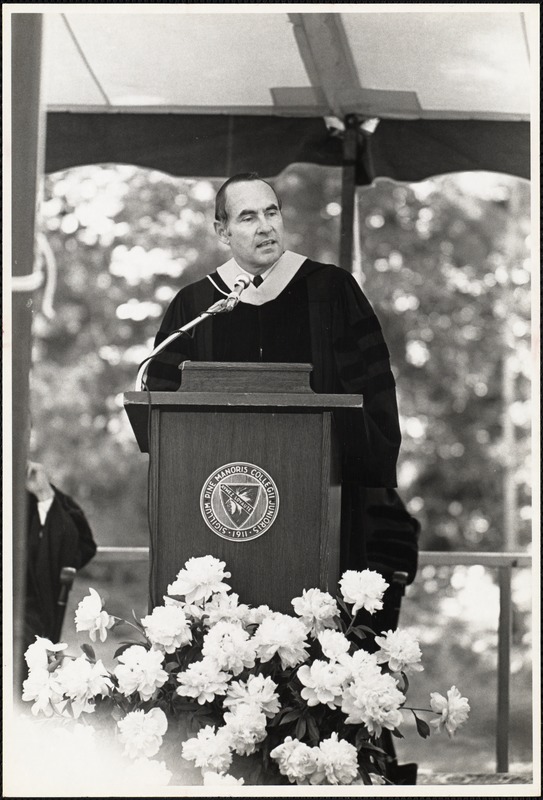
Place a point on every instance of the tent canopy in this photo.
(214, 93)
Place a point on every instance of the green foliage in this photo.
(445, 264)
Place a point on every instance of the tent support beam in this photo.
(348, 192)
(327, 57)
(27, 142)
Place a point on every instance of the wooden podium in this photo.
(245, 466)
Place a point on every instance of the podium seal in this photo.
(239, 501)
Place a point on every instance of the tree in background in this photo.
(445, 264)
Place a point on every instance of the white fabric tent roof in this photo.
(410, 64)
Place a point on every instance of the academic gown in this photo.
(320, 317)
(65, 540)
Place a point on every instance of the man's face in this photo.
(254, 229)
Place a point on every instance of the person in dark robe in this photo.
(58, 535)
(294, 310)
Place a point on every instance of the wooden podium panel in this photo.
(248, 473)
(299, 550)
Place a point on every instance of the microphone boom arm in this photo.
(220, 307)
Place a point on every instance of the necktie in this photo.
(257, 281)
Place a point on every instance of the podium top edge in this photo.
(245, 400)
(245, 366)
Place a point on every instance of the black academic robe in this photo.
(65, 540)
(392, 545)
(321, 317)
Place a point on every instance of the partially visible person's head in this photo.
(248, 219)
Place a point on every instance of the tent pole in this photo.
(348, 192)
(27, 143)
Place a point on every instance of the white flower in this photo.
(255, 616)
(401, 651)
(374, 700)
(453, 710)
(141, 733)
(221, 779)
(296, 760)
(334, 644)
(203, 680)
(209, 750)
(167, 628)
(200, 578)
(361, 664)
(140, 670)
(225, 608)
(81, 681)
(229, 646)
(37, 654)
(90, 617)
(317, 609)
(244, 728)
(364, 589)
(43, 688)
(323, 683)
(284, 635)
(258, 690)
(337, 763)
(194, 611)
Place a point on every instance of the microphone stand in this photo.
(220, 307)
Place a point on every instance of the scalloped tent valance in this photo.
(218, 146)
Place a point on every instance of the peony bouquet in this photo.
(215, 684)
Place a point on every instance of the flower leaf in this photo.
(342, 605)
(342, 625)
(275, 721)
(312, 730)
(361, 738)
(120, 650)
(68, 708)
(137, 621)
(365, 745)
(117, 713)
(423, 729)
(366, 629)
(291, 716)
(301, 728)
(89, 652)
(395, 732)
(365, 777)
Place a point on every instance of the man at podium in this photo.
(293, 310)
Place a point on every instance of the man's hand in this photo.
(37, 481)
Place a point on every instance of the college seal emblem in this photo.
(239, 501)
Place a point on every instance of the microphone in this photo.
(227, 303)
(241, 283)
